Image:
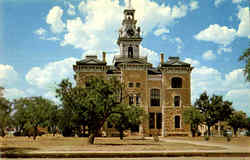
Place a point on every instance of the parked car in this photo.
(227, 133)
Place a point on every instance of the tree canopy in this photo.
(214, 109)
(193, 117)
(131, 116)
(94, 103)
(5, 110)
(237, 120)
(32, 112)
(246, 57)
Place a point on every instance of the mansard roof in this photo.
(90, 60)
(175, 62)
(136, 60)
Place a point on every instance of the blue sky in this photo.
(40, 41)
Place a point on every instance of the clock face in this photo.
(130, 32)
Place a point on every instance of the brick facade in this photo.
(163, 91)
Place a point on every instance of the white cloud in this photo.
(54, 19)
(244, 26)
(193, 5)
(180, 44)
(52, 96)
(193, 63)
(232, 86)
(217, 34)
(12, 93)
(41, 31)
(153, 57)
(237, 1)
(208, 55)
(71, 10)
(87, 32)
(240, 98)
(218, 2)
(8, 76)
(224, 49)
(52, 73)
(52, 39)
(161, 31)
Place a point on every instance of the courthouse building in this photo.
(164, 91)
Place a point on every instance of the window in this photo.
(138, 99)
(130, 85)
(151, 120)
(131, 100)
(177, 122)
(110, 125)
(138, 85)
(130, 52)
(176, 82)
(158, 120)
(155, 97)
(177, 100)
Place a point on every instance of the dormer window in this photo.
(130, 52)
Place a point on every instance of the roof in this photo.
(139, 60)
(90, 60)
(175, 62)
(154, 71)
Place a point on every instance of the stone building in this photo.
(162, 91)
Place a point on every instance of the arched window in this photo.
(130, 52)
(177, 122)
(176, 82)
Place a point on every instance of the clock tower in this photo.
(129, 35)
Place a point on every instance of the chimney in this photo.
(104, 56)
(162, 58)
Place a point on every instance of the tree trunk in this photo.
(84, 130)
(91, 139)
(35, 133)
(235, 132)
(2, 133)
(208, 130)
(121, 135)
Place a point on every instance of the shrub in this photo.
(206, 138)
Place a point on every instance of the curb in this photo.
(125, 154)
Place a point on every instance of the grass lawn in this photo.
(75, 144)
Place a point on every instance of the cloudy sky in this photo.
(40, 40)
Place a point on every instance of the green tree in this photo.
(72, 113)
(32, 112)
(193, 117)
(214, 109)
(248, 123)
(246, 57)
(237, 120)
(130, 116)
(96, 102)
(5, 110)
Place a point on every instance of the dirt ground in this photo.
(50, 144)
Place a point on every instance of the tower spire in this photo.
(129, 4)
